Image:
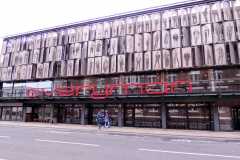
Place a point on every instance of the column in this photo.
(120, 115)
(163, 116)
(83, 115)
(215, 118)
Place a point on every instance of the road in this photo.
(33, 143)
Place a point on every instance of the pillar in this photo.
(215, 118)
(164, 116)
(83, 115)
(120, 115)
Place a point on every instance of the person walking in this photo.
(107, 120)
(100, 119)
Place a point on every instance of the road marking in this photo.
(65, 142)
(59, 132)
(190, 153)
(181, 140)
(4, 137)
(2, 159)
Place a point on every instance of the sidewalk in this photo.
(192, 134)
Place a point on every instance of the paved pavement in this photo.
(35, 141)
(199, 134)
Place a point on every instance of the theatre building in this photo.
(174, 66)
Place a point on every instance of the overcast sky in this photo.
(19, 16)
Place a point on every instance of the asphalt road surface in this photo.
(33, 143)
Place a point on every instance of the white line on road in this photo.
(4, 137)
(65, 142)
(190, 153)
(59, 132)
(2, 159)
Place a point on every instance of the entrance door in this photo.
(236, 118)
(129, 115)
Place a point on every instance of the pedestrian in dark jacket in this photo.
(100, 119)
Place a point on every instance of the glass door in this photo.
(129, 115)
(236, 118)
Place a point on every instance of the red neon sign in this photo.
(152, 88)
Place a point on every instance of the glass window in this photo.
(7, 89)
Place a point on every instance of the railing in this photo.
(131, 89)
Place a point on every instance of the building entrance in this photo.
(236, 118)
(142, 115)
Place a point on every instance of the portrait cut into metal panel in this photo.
(37, 41)
(138, 61)
(156, 40)
(186, 42)
(121, 63)
(184, 17)
(138, 43)
(45, 70)
(106, 47)
(92, 32)
(176, 58)
(156, 23)
(25, 55)
(196, 35)
(174, 19)
(198, 56)
(166, 20)
(156, 60)
(78, 50)
(79, 34)
(63, 71)
(84, 50)
(53, 52)
(236, 10)
(77, 67)
(220, 54)
(139, 24)
(166, 39)
(238, 28)
(71, 35)
(147, 61)
(99, 47)
(90, 66)
(35, 56)
(99, 31)
(86, 33)
(207, 36)
(187, 59)
(23, 72)
(205, 14)
(70, 67)
(233, 53)
(129, 44)
(114, 46)
(147, 41)
(98, 65)
(130, 26)
(227, 11)
(114, 28)
(105, 64)
(113, 64)
(129, 62)
(175, 38)
(29, 72)
(121, 27)
(147, 25)
(122, 45)
(166, 59)
(39, 73)
(107, 30)
(59, 54)
(91, 48)
(51, 69)
(71, 51)
(216, 12)
(208, 55)
(218, 33)
(229, 31)
(195, 15)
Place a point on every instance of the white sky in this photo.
(19, 16)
